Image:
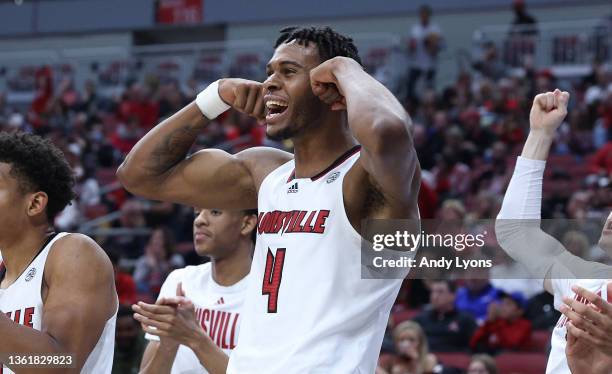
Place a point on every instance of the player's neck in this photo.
(230, 270)
(19, 251)
(316, 150)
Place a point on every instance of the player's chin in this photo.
(203, 248)
(279, 131)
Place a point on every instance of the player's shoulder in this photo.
(261, 161)
(189, 273)
(78, 257)
(77, 248)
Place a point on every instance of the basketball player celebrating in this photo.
(57, 291)
(519, 234)
(307, 308)
(216, 288)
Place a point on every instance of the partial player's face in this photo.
(605, 241)
(291, 106)
(216, 232)
(13, 203)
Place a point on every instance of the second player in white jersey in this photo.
(58, 302)
(22, 302)
(306, 297)
(217, 310)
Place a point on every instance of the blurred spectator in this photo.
(425, 43)
(601, 163)
(158, 261)
(446, 328)
(523, 23)
(129, 343)
(412, 352)
(489, 64)
(42, 98)
(124, 283)
(452, 177)
(541, 312)
(474, 298)
(505, 327)
(482, 364)
(132, 217)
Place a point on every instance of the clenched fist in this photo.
(325, 85)
(548, 111)
(243, 95)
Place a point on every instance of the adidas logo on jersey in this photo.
(220, 301)
(293, 188)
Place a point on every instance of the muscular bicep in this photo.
(210, 178)
(213, 178)
(80, 295)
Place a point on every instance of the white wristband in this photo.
(210, 103)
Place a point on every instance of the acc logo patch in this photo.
(333, 177)
(30, 275)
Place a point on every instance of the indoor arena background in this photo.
(95, 75)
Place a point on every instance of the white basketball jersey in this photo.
(22, 302)
(307, 309)
(218, 311)
(557, 361)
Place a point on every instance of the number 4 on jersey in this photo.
(272, 277)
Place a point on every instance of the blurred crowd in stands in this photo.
(467, 136)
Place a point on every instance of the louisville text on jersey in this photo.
(293, 221)
(22, 316)
(219, 325)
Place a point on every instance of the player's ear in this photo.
(37, 203)
(249, 222)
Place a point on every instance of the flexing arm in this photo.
(80, 299)
(518, 223)
(380, 124)
(158, 167)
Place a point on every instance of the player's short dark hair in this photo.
(38, 165)
(452, 286)
(329, 42)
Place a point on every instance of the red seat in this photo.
(401, 316)
(458, 360)
(521, 363)
(540, 341)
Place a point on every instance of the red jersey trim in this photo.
(340, 160)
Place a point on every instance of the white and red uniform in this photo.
(218, 311)
(557, 361)
(22, 302)
(307, 308)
